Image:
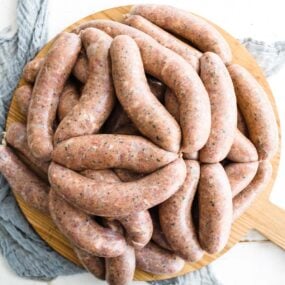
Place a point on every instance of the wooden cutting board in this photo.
(262, 216)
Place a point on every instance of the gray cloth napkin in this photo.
(24, 250)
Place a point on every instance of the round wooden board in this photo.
(263, 215)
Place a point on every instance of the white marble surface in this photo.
(254, 260)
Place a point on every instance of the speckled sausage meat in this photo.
(257, 111)
(158, 236)
(243, 200)
(80, 69)
(177, 74)
(16, 136)
(139, 228)
(176, 219)
(240, 175)
(118, 119)
(32, 68)
(190, 54)
(215, 208)
(137, 225)
(120, 270)
(94, 264)
(242, 149)
(195, 29)
(146, 112)
(47, 89)
(117, 199)
(82, 231)
(171, 104)
(23, 97)
(111, 151)
(68, 99)
(156, 260)
(23, 181)
(218, 83)
(97, 99)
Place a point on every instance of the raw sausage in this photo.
(23, 97)
(111, 151)
(215, 208)
(146, 112)
(171, 104)
(176, 219)
(80, 69)
(193, 28)
(118, 119)
(190, 54)
(32, 68)
(97, 99)
(23, 181)
(156, 260)
(244, 199)
(94, 264)
(127, 175)
(242, 149)
(83, 231)
(117, 199)
(256, 110)
(68, 99)
(16, 136)
(240, 175)
(120, 270)
(177, 74)
(218, 83)
(241, 123)
(47, 89)
(138, 227)
(158, 236)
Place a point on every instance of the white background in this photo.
(254, 260)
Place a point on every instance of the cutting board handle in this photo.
(269, 220)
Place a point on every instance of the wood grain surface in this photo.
(263, 216)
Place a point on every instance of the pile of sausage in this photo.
(146, 148)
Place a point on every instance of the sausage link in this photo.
(215, 208)
(47, 89)
(16, 136)
(111, 151)
(242, 149)
(240, 175)
(93, 264)
(176, 220)
(120, 270)
(23, 97)
(31, 69)
(156, 260)
(158, 236)
(139, 228)
(218, 83)
(137, 225)
(195, 29)
(190, 54)
(97, 99)
(146, 112)
(80, 69)
(244, 199)
(82, 231)
(117, 199)
(23, 181)
(68, 99)
(177, 74)
(257, 111)
(171, 104)
(118, 120)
